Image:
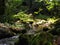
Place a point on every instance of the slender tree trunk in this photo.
(2, 10)
(2, 6)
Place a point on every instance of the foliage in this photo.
(57, 28)
(24, 17)
(52, 20)
(11, 8)
(17, 26)
(38, 14)
(50, 6)
(42, 38)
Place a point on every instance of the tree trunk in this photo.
(2, 6)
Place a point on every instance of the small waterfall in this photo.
(9, 41)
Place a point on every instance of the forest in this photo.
(29, 22)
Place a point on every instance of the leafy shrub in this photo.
(12, 7)
(42, 38)
(24, 17)
(40, 16)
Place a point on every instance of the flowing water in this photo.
(9, 41)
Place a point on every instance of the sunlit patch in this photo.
(52, 20)
(23, 16)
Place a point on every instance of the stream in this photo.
(9, 41)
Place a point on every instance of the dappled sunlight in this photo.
(41, 24)
(51, 20)
(35, 22)
(51, 5)
(23, 16)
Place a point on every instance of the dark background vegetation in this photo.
(37, 20)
